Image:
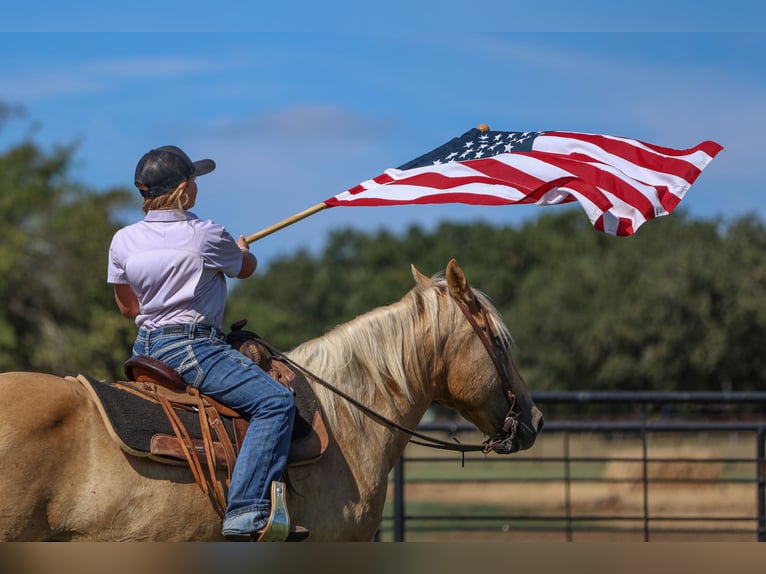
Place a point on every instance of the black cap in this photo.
(162, 170)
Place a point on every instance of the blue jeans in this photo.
(205, 360)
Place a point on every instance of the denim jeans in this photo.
(205, 360)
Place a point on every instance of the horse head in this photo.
(481, 380)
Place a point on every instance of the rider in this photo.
(168, 272)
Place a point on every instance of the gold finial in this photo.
(482, 127)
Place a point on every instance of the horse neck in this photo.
(388, 360)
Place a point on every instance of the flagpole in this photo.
(285, 222)
(307, 212)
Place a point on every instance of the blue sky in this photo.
(294, 117)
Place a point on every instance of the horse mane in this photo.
(377, 353)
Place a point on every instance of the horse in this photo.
(65, 479)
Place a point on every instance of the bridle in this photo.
(500, 442)
(495, 348)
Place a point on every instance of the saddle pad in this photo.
(134, 420)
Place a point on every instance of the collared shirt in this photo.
(175, 263)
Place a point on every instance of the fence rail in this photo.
(649, 470)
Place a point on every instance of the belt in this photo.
(188, 330)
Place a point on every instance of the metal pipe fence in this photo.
(609, 466)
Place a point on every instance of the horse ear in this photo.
(422, 280)
(458, 283)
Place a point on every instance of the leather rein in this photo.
(502, 439)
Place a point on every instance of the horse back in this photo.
(41, 440)
(64, 478)
(39, 403)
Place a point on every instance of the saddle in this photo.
(155, 414)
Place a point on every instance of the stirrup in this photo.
(278, 529)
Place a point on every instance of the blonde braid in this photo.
(170, 200)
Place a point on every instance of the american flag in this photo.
(619, 182)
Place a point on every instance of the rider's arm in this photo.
(126, 300)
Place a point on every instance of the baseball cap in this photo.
(163, 169)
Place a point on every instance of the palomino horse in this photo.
(64, 478)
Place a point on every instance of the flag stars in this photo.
(485, 145)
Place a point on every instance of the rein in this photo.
(428, 441)
(508, 432)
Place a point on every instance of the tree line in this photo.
(678, 306)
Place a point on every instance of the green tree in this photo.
(660, 310)
(59, 314)
(680, 305)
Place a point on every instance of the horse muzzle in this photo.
(516, 434)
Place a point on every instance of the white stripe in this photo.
(411, 192)
(677, 185)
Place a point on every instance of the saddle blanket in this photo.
(141, 427)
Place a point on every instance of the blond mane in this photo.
(389, 348)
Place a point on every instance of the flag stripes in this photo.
(619, 182)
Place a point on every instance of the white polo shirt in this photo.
(175, 264)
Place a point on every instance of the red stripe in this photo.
(599, 223)
(499, 174)
(711, 148)
(668, 200)
(592, 193)
(592, 175)
(503, 172)
(444, 197)
(382, 179)
(624, 227)
(708, 147)
(642, 157)
(436, 180)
